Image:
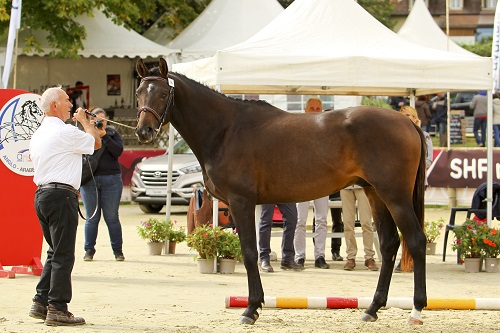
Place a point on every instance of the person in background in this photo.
(337, 226)
(397, 102)
(289, 213)
(480, 105)
(77, 98)
(313, 105)
(56, 150)
(349, 196)
(104, 191)
(429, 156)
(424, 112)
(496, 119)
(440, 107)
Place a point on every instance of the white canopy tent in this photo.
(337, 48)
(222, 24)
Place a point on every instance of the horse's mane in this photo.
(155, 71)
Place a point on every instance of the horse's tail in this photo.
(418, 200)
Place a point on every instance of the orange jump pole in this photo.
(405, 303)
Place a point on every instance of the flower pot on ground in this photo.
(228, 250)
(491, 249)
(469, 238)
(155, 248)
(206, 266)
(227, 266)
(155, 231)
(175, 235)
(203, 239)
(171, 247)
(491, 265)
(432, 231)
(473, 265)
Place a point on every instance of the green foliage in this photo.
(482, 48)
(176, 235)
(65, 35)
(469, 238)
(381, 10)
(374, 101)
(154, 230)
(203, 239)
(433, 229)
(228, 245)
(491, 243)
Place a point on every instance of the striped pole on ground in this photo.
(405, 303)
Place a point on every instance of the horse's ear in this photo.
(163, 67)
(141, 69)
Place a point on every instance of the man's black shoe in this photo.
(321, 263)
(266, 267)
(89, 255)
(301, 262)
(38, 311)
(291, 265)
(336, 256)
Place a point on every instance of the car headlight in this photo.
(191, 169)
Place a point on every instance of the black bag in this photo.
(89, 165)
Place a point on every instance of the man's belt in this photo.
(59, 186)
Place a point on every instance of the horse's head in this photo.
(155, 97)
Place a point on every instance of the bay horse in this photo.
(253, 153)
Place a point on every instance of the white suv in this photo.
(149, 180)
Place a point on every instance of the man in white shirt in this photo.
(56, 150)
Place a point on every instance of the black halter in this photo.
(170, 101)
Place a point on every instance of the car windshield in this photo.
(181, 147)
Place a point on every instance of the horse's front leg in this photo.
(244, 218)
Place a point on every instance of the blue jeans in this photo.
(289, 212)
(496, 132)
(108, 189)
(480, 124)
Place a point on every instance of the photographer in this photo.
(104, 191)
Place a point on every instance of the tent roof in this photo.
(224, 23)
(337, 48)
(105, 39)
(419, 27)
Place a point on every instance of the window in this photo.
(456, 4)
(489, 4)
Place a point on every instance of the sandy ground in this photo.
(166, 293)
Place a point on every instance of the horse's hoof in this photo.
(414, 321)
(246, 321)
(368, 318)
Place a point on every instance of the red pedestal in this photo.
(20, 233)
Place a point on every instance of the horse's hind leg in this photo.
(244, 218)
(389, 245)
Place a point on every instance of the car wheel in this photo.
(151, 208)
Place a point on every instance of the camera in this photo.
(98, 124)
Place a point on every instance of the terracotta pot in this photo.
(491, 265)
(171, 247)
(430, 248)
(227, 266)
(206, 266)
(155, 248)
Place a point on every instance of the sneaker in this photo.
(291, 265)
(337, 257)
(89, 255)
(371, 265)
(321, 263)
(266, 267)
(350, 264)
(301, 262)
(62, 318)
(38, 310)
(119, 256)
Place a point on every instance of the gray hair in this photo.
(49, 96)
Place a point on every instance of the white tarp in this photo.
(222, 24)
(336, 48)
(419, 27)
(104, 39)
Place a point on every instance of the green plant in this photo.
(154, 230)
(469, 238)
(228, 245)
(433, 229)
(491, 243)
(203, 239)
(176, 235)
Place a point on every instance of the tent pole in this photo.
(171, 135)
(489, 158)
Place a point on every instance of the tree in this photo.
(482, 48)
(66, 35)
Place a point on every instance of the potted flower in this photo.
(432, 231)
(228, 250)
(155, 231)
(203, 239)
(469, 241)
(491, 250)
(175, 236)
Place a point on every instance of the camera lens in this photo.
(98, 124)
